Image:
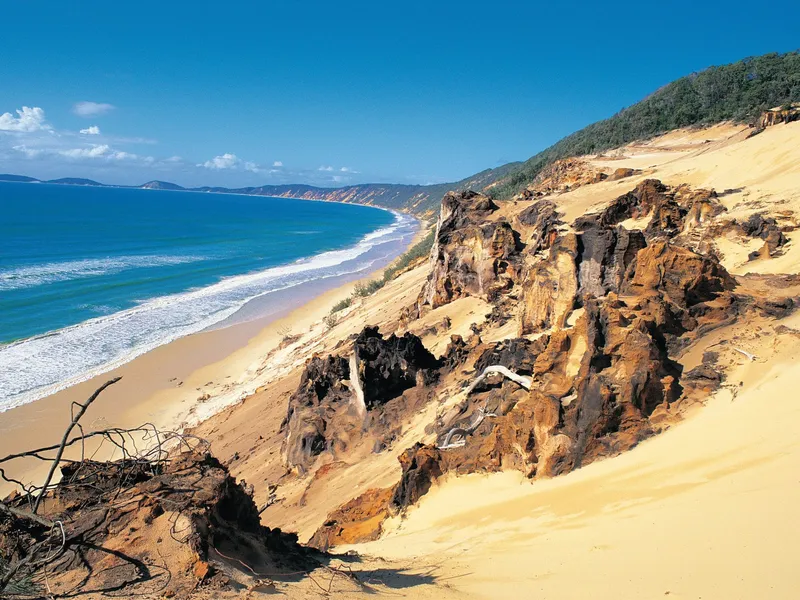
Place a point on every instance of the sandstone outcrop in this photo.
(562, 176)
(472, 255)
(604, 306)
(766, 228)
(354, 522)
(340, 399)
(622, 173)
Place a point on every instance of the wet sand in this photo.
(167, 385)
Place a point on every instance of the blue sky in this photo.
(247, 93)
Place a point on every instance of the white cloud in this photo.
(225, 161)
(28, 119)
(277, 163)
(173, 159)
(119, 155)
(93, 130)
(325, 168)
(92, 109)
(29, 152)
(96, 151)
(252, 167)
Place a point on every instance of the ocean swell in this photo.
(40, 365)
(26, 277)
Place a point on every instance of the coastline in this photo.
(187, 380)
(43, 360)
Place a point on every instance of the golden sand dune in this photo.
(706, 510)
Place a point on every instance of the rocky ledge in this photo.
(603, 307)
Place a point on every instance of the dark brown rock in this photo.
(543, 220)
(388, 367)
(471, 256)
(421, 467)
(325, 413)
(622, 173)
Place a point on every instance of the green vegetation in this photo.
(417, 251)
(340, 306)
(739, 92)
(19, 585)
(363, 290)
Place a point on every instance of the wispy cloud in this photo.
(27, 120)
(325, 168)
(277, 163)
(93, 130)
(94, 151)
(223, 161)
(231, 162)
(29, 152)
(92, 109)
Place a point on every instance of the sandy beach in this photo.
(181, 383)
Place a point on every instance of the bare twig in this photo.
(75, 418)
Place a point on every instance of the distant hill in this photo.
(76, 181)
(19, 178)
(161, 185)
(740, 91)
(418, 199)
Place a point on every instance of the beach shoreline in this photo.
(186, 381)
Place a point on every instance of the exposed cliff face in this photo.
(472, 255)
(342, 400)
(603, 306)
(776, 116)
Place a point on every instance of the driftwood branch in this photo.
(463, 432)
(75, 418)
(457, 436)
(520, 380)
(24, 514)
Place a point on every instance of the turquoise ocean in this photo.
(91, 277)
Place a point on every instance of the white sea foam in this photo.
(26, 277)
(38, 366)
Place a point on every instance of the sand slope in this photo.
(706, 510)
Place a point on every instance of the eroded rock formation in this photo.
(136, 529)
(342, 397)
(473, 254)
(604, 306)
